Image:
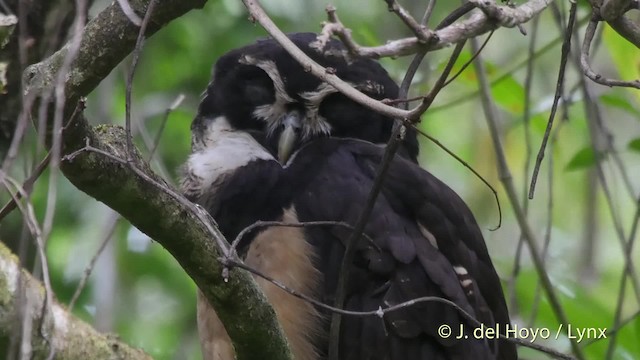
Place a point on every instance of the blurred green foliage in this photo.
(139, 292)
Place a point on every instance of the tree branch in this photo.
(115, 35)
(184, 229)
(478, 23)
(72, 338)
(143, 198)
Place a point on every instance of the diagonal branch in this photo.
(112, 32)
(185, 230)
(182, 228)
(478, 23)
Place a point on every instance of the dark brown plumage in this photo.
(425, 239)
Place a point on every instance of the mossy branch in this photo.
(141, 196)
(22, 295)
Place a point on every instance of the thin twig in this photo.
(148, 142)
(421, 32)
(27, 185)
(548, 231)
(28, 213)
(201, 214)
(594, 122)
(611, 331)
(350, 246)
(112, 224)
(174, 105)
(260, 224)
(431, 4)
(475, 25)
(19, 131)
(504, 75)
(381, 312)
(470, 61)
(129, 13)
(466, 164)
(491, 115)
(566, 47)
(56, 148)
(345, 266)
(528, 81)
(596, 129)
(617, 317)
(134, 62)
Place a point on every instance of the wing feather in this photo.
(403, 264)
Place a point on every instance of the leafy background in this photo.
(138, 291)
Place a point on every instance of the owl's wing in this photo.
(425, 243)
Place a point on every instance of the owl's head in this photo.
(261, 89)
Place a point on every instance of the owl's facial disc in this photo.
(305, 102)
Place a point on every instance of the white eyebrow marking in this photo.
(271, 69)
(315, 123)
(270, 113)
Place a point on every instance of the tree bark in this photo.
(22, 295)
(141, 196)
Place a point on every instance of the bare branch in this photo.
(477, 24)
(88, 69)
(32, 223)
(566, 47)
(528, 151)
(132, 70)
(422, 33)
(128, 11)
(586, 68)
(27, 185)
(466, 164)
(261, 224)
(112, 222)
(613, 9)
(381, 312)
(628, 29)
(507, 181)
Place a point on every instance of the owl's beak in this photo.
(289, 136)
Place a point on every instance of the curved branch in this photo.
(584, 60)
(613, 12)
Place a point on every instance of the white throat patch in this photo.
(224, 150)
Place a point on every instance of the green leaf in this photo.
(623, 54)
(508, 92)
(634, 145)
(583, 159)
(618, 101)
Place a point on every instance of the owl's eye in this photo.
(350, 119)
(256, 86)
(342, 111)
(259, 94)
